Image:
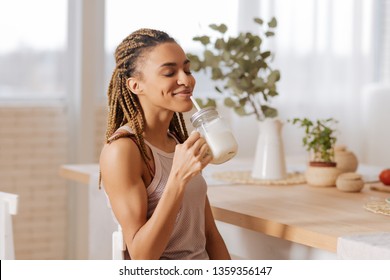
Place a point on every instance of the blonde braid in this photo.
(177, 127)
(183, 126)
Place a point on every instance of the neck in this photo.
(156, 127)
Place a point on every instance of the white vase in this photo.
(269, 161)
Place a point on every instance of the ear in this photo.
(134, 85)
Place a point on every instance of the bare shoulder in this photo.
(120, 163)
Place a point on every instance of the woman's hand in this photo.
(190, 157)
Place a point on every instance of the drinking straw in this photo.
(195, 103)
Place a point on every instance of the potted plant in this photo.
(319, 140)
(241, 69)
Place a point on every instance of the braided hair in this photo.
(124, 106)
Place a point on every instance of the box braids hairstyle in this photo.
(124, 106)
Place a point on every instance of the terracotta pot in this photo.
(322, 174)
(322, 164)
(345, 159)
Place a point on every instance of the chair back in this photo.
(8, 207)
(118, 245)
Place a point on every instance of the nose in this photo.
(184, 79)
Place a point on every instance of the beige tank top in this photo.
(188, 240)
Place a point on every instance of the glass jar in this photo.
(217, 134)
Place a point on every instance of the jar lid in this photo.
(350, 176)
(202, 112)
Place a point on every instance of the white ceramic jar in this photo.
(217, 134)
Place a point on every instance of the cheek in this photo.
(193, 81)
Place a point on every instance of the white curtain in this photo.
(326, 52)
(384, 57)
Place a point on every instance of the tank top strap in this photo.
(128, 133)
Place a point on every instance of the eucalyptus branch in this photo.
(255, 104)
(243, 66)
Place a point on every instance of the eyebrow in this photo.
(172, 64)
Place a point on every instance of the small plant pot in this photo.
(322, 174)
(350, 182)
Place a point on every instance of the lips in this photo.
(183, 92)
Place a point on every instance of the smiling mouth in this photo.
(184, 92)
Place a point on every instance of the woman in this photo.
(150, 167)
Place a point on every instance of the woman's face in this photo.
(166, 81)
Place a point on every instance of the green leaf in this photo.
(273, 77)
(229, 102)
(233, 43)
(219, 44)
(272, 23)
(269, 33)
(269, 112)
(240, 111)
(196, 64)
(210, 59)
(209, 102)
(226, 56)
(216, 73)
(244, 83)
(205, 40)
(222, 28)
(266, 54)
(273, 93)
(258, 20)
(243, 101)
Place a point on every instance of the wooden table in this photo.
(307, 215)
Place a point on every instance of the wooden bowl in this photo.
(350, 182)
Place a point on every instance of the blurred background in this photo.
(56, 58)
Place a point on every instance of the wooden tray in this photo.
(379, 187)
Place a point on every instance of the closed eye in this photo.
(170, 74)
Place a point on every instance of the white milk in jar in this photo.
(218, 136)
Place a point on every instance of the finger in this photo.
(206, 160)
(194, 136)
(204, 150)
(198, 145)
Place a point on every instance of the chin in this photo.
(184, 108)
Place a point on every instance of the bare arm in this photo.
(215, 246)
(122, 167)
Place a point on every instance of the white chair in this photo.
(8, 207)
(118, 245)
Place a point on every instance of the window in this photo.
(32, 49)
(183, 20)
